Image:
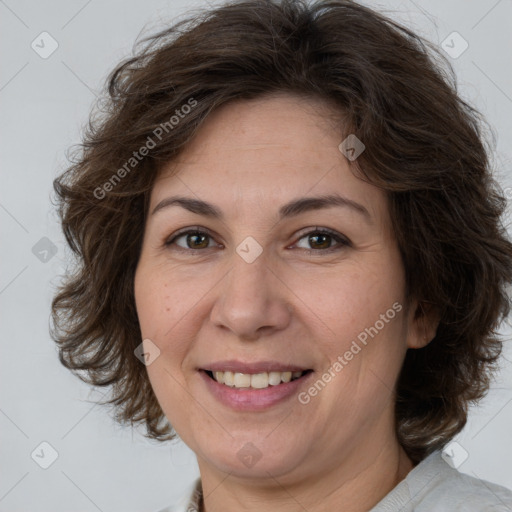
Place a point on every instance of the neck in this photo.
(357, 491)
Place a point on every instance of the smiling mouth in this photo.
(260, 380)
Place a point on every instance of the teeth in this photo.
(242, 380)
(256, 380)
(259, 380)
(286, 376)
(274, 378)
(228, 378)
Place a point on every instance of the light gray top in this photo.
(431, 486)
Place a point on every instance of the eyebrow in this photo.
(290, 209)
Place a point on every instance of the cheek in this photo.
(148, 302)
(160, 302)
(169, 304)
(362, 336)
(361, 331)
(346, 302)
(159, 312)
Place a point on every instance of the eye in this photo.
(193, 239)
(321, 238)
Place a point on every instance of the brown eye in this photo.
(191, 239)
(197, 240)
(321, 241)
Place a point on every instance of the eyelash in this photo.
(342, 241)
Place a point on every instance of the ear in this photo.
(423, 320)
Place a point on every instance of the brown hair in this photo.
(424, 148)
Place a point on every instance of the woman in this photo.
(290, 254)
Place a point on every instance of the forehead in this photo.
(265, 152)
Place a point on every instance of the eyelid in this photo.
(184, 231)
(321, 230)
(342, 240)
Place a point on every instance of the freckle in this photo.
(167, 309)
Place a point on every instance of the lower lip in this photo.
(249, 399)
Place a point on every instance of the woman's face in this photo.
(273, 283)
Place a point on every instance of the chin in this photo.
(250, 459)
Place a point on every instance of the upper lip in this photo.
(254, 367)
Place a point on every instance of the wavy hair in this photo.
(425, 148)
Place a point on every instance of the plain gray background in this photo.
(45, 103)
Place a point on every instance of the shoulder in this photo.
(435, 485)
(189, 499)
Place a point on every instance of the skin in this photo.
(340, 449)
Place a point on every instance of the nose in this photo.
(251, 300)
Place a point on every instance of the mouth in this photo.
(254, 387)
(261, 380)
